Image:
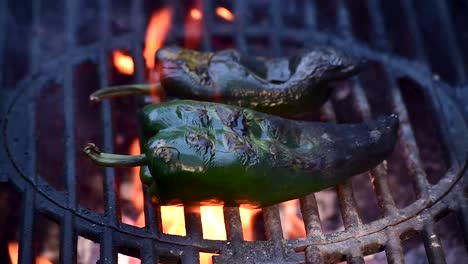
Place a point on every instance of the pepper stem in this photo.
(124, 90)
(113, 160)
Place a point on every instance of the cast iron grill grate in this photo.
(358, 239)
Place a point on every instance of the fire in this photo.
(196, 14)
(123, 62)
(212, 217)
(206, 258)
(293, 226)
(13, 252)
(225, 13)
(136, 187)
(247, 220)
(158, 27)
(213, 222)
(193, 26)
(173, 220)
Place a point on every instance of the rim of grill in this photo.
(148, 243)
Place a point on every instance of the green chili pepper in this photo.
(280, 86)
(199, 153)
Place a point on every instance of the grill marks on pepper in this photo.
(202, 114)
(202, 145)
(239, 140)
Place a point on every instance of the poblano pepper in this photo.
(280, 86)
(199, 153)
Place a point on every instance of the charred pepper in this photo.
(199, 153)
(280, 86)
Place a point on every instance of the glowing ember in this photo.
(225, 13)
(158, 27)
(123, 62)
(293, 226)
(13, 252)
(196, 14)
(247, 220)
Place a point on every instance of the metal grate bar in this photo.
(311, 217)
(434, 251)
(207, 24)
(382, 189)
(379, 173)
(411, 152)
(27, 222)
(462, 215)
(33, 58)
(454, 50)
(313, 255)
(148, 253)
(309, 207)
(3, 15)
(354, 256)
(409, 13)
(68, 239)
(310, 16)
(152, 222)
(379, 36)
(108, 253)
(345, 192)
(343, 23)
(276, 27)
(273, 228)
(272, 222)
(191, 256)
(233, 224)
(70, 171)
(110, 197)
(393, 248)
(193, 223)
(240, 7)
(35, 27)
(348, 206)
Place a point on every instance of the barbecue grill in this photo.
(55, 54)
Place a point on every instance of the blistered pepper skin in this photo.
(207, 153)
(281, 86)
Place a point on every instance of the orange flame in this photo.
(206, 258)
(193, 26)
(13, 252)
(225, 13)
(196, 14)
(293, 226)
(158, 28)
(136, 187)
(123, 62)
(173, 220)
(212, 218)
(247, 220)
